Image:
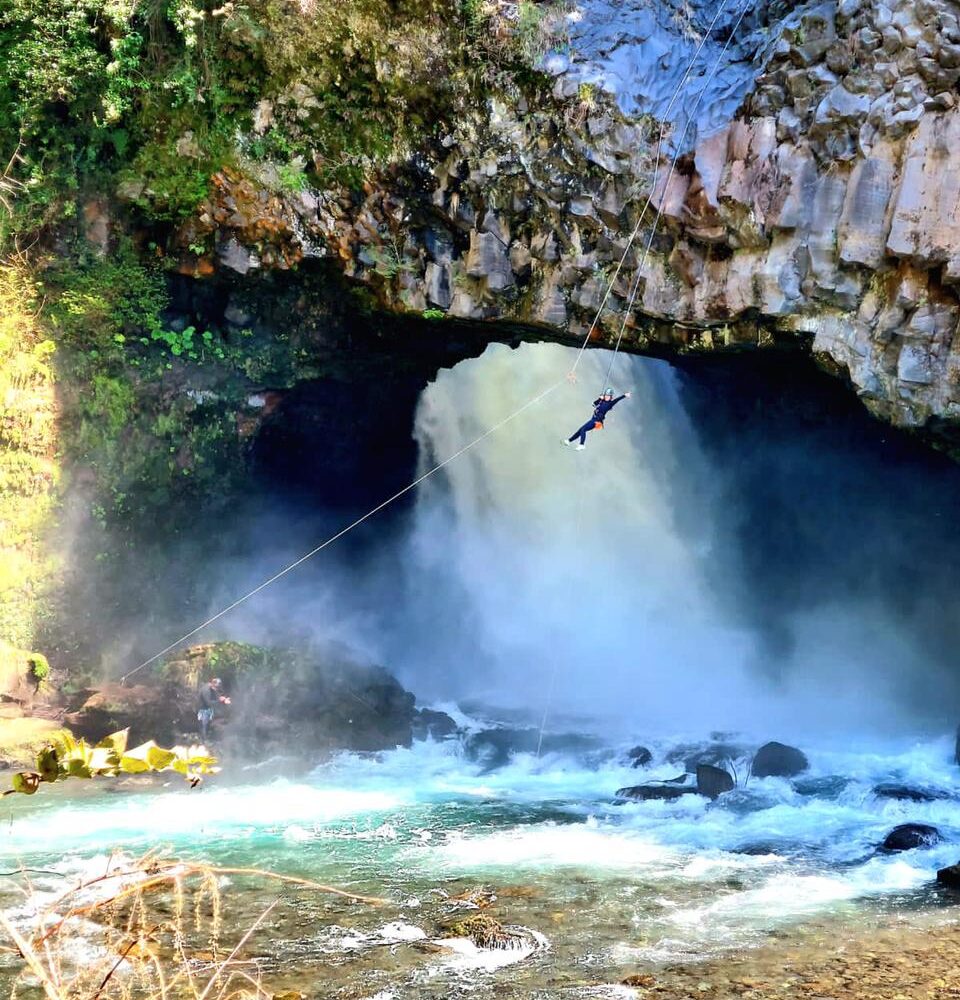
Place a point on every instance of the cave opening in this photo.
(811, 484)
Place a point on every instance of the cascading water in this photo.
(597, 578)
(534, 566)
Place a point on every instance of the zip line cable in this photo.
(532, 402)
(653, 186)
(343, 531)
(640, 265)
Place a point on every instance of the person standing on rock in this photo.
(210, 696)
(602, 405)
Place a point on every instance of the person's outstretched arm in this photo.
(613, 402)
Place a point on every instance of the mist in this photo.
(605, 585)
(705, 564)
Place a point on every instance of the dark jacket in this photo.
(209, 697)
(601, 406)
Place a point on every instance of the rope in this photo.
(673, 166)
(653, 186)
(343, 531)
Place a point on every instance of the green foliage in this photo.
(106, 310)
(157, 95)
(39, 667)
(69, 69)
(28, 441)
(187, 343)
(530, 19)
(433, 314)
(97, 304)
(474, 17)
(388, 259)
(587, 94)
(68, 758)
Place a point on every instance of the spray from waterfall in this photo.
(602, 578)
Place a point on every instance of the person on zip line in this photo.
(602, 405)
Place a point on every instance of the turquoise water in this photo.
(603, 890)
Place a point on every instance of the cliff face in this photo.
(826, 212)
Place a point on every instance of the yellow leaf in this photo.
(140, 752)
(116, 742)
(133, 765)
(26, 782)
(158, 758)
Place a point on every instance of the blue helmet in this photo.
(609, 391)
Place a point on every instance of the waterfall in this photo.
(606, 584)
(535, 566)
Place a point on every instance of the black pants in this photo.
(582, 433)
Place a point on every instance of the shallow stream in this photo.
(607, 890)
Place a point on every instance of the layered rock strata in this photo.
(826, 214)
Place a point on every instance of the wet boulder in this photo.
(158, 712)
(494, 748)
(777, 760)
(639, 756)
(712, 781)
(949, 877)
(907, 793)
(692, 755)
(665, 791)
(909, 836)
(430, 725)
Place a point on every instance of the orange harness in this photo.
(598, 425)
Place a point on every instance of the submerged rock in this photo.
(777, 760)
(829, 786)
(949, 877)
(909, 836)
(486, 932)
(428, 724)
(667, 791)
(495, 747)
(713, 781)
(760, 849)
(905, 793)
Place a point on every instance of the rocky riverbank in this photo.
(906, 957)
(283, 701)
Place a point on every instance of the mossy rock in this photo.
(226, 660)
(483, 931)
(21, 673)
